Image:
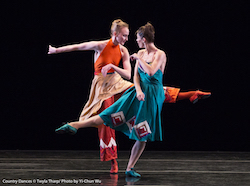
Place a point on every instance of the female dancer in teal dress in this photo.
(138, 112)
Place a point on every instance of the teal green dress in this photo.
(140, 120)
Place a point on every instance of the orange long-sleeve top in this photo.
(110, 54)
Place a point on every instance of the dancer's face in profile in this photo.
(122, 36)
(140, 41)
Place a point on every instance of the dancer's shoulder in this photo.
(140, 52)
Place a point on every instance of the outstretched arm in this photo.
(92, 45)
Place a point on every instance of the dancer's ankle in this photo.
(128, 169)
(72, 124)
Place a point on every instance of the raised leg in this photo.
(72, 127)
(193, 96)
(185, 95)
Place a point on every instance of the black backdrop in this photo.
(206, 44)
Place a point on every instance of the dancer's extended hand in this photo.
(134, 57)
(52, 50)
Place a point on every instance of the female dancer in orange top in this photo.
(108, 81)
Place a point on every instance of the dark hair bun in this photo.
(147, 31)
(149, 28)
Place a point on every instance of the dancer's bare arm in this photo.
(139, 94)
(91, 45)
(158, 63)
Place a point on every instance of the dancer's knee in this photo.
(96, 121)
(140, 144)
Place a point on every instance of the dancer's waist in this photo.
(98, 73)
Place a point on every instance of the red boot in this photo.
(199, 95)
(114, 167)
